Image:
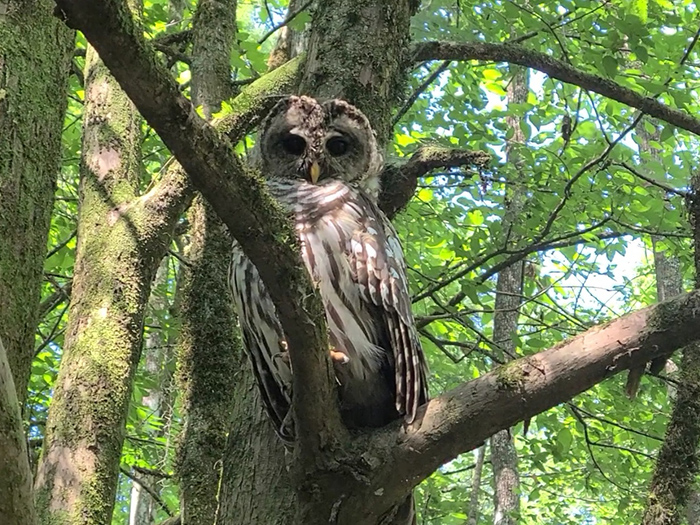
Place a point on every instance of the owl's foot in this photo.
(283, 354)
(338, 356)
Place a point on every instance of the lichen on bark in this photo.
(35, 52)
(77, 475)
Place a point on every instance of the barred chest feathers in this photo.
(332, 223)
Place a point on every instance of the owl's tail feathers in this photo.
(403, 514)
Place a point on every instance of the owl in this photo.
(321, 163)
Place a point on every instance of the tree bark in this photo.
(16, 501)
(35, 54)
(209, 354)
(473, 510)
(213, 36)
(257, 486)
(509, 287)
(677, 463)
(366, 69)
(209, 348)
(120, 243)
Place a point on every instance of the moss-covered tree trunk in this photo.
(678, 461)
(356, 51)
(35, 53)
(16, 502)
(209, 354)
(77, 473)
(209, 349)
(121, 239)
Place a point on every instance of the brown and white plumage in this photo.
(322, 164)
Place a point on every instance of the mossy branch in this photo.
(399, 182)
(239, 198)
(461, 419)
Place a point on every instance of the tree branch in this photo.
(257, 99)
(515, 54)
(239, 198)
(399, 182)
(461, 419)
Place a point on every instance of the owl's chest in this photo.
(326, 216)
(332, 223)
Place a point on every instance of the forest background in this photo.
(542, 163)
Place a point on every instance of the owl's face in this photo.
(304, 139)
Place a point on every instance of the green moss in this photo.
(257, 99)
(510, 376)
(35, 51)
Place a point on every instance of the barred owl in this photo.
(321, 162)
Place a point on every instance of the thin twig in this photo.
(148, 489)
(62, 244)
(288, 18)
(414, 96)
(651, 181)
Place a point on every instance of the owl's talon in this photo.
(339, 357)
(282, 356)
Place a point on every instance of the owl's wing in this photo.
(380, 272)
(264, 341)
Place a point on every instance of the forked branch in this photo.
(461, 419)
(238, 196)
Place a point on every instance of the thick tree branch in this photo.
(256, 100)
(399, 182)
(237, 196)
(515, 54)
(463, 418)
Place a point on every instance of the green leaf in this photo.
(640, 8)
(610, 65)
(565, 438)
(667, 132)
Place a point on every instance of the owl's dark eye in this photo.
(293, 144)
(337, 146)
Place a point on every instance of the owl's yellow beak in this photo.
(314, 172)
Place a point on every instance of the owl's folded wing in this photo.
(264, 341)
(380, 272)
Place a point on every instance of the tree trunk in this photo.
(16, 502)
(213, 36)
(473, 511)
(35, 53)
(121, 240)
(209, 354)
(357, 51)
(85, 428)
(256, 486)
(677, 463)
(209, 348)
(509, 286)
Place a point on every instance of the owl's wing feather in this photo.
(264, 341)
(380, 272)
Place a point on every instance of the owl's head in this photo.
(302, 138)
